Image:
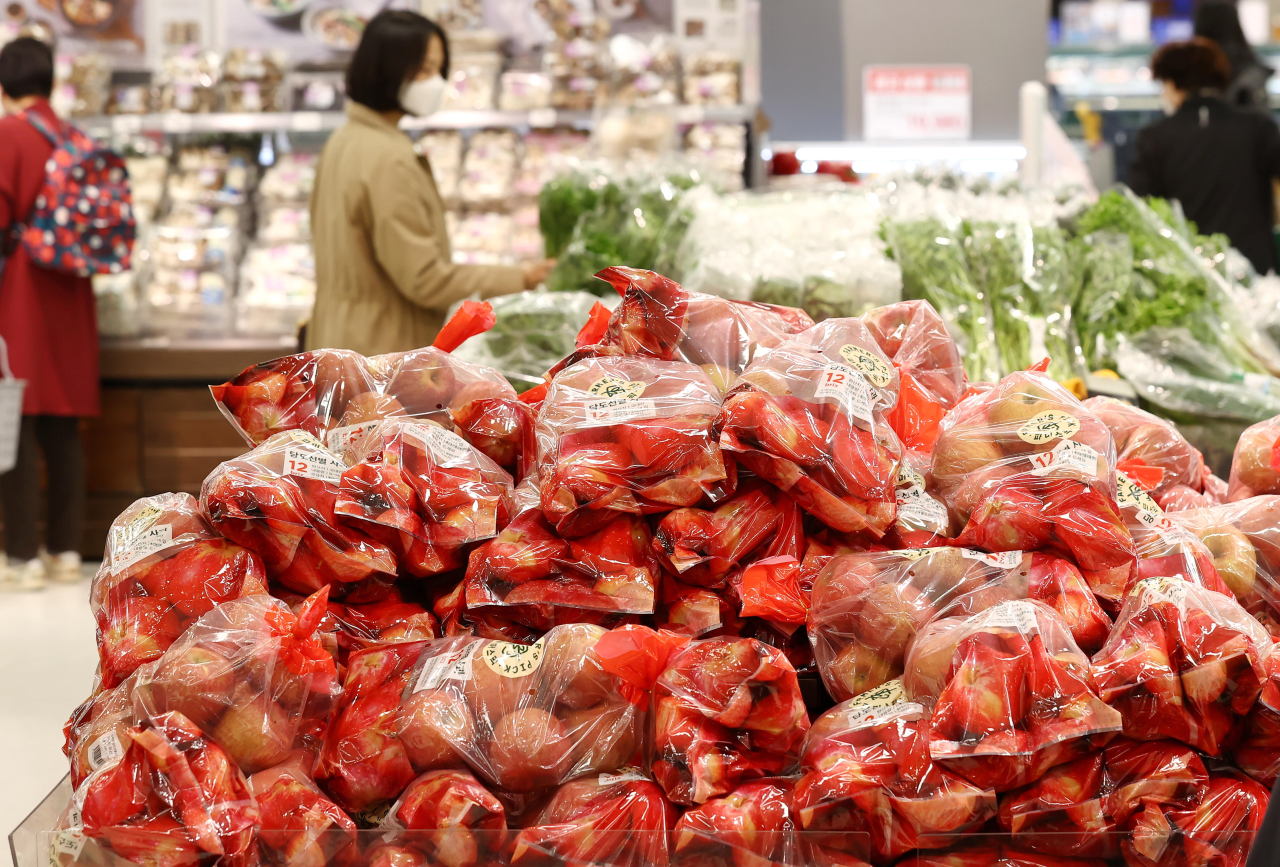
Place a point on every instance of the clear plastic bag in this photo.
(612, 820)
(1255, 461)
(311, 392)
(1082, 808)
(727, 710)
(1026, 466)
(931, 373)
(629, 435)
(298, 823)
(452, 819)
(424, 493)
(1184, 663)
(753, 824)
(1220, 829)
(1013, 694)
(1243, 539)
(809, 417)
(279, 502)
(867, 608)
(868, 788)
(162, 568)
(522, 717)
(252, 675)
(1149, 450)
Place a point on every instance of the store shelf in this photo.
(176, 123)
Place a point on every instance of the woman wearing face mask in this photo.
(384, 270)
(1218, 161)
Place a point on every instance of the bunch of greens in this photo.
(563, 201)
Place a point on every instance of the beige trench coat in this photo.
(384, 270)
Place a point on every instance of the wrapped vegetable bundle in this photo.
(726, 711)
(1014, 695)
(174, 797)
(424, 493)
(162, 568)
(1183, 662)
(626, 435)
(252, 675)
(931, 373)
(313, 392)
(522, 717)
(1083, 808)
(279, 501)
(869, 789)
(610, 820)
(809, 417)
(1026, 466)
(867, 608)
(1255, 465)
(451, 819)
(1243, 538)
(753, 824)
(533, 576)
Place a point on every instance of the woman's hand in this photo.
(536, 272)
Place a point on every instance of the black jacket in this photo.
(1218, 161)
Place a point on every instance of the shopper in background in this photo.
(1219, 22)
(1216, 160)
(49, 324)
(385, 274)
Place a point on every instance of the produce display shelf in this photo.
(177, 123)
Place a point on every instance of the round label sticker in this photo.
(865, 362)
(908, 477)
(612, 386)
(512, 660)
(1049, 426)
(885, 695)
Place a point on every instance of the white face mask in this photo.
(422, 97)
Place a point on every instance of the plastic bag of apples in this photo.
(809, 417)
(162, 567)
(522, 717)
(1255, 464)
(1243, 539)
(866, 609)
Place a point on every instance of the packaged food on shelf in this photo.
(712, 78)
(444, 149)
(489, 167)
(642, 71)
(523, 91)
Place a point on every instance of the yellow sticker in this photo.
(135, 527)
(885, 695)
(512, 660)
(1049, 426)
(865, 362)
(908, 477)
(612, 386)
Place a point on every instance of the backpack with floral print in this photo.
(82, 222)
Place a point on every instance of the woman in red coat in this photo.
(49, 323)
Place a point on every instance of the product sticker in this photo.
(908, 477)
(865, 362)
(849, 388)
(1171, 588)
(436, 670)
(626, 775)
(105, 752)
(1067, 455)
(1001, 560)
(915, 506)
(1049, 426)
(313, 463)
(152, 541)
(69, 843)
(914, 554)
(136, 526)
(512, 660)
(620, 409)
(885, 701)
(445, 446)
(1016, 614)
(341, 437)
(612, 386)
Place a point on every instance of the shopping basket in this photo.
(10, 411)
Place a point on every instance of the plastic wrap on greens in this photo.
(935, 268)
(562, 202)
(532, 331)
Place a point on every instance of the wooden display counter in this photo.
(159, 429)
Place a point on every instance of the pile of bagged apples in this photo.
(597, 623)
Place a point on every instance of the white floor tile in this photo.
(47, 659)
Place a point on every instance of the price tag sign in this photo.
(849, 389)
(311, 463)
(917, 103)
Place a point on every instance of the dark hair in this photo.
(1219, 21)
(391, 51)
(26, 68)
(1192, 66)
